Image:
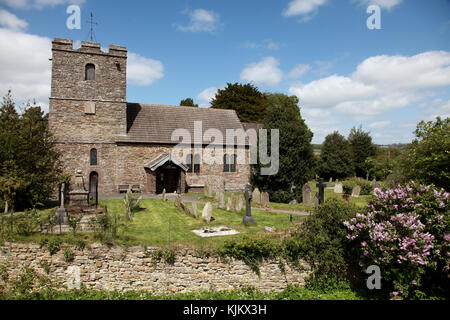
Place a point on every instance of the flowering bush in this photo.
(406, 233)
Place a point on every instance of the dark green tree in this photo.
(362, 148)
(427, 158)
(248, 102)
(29, 167)
(296, 157)
(335, 157)
(188, 102)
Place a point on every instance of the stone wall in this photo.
(104, 268)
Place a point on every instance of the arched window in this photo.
(226, 163)
(189, 162)
(93, 157)
(233, 163)
(90, 72)
(197, 163)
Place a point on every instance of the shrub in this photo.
(53, 245)
(167, 255)
(321, 242)
(406, 233)
(68, 255)
(251, 251)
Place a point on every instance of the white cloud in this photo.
(143, 71)
(378, 85)
(384, 4)
(206, 96)
(265, 72)
(303, 8)
(10, 21)
(201, 20)
(298, 71)
(25, 65)
(379, 124)
(266, 44)
(38, 4)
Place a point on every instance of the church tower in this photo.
(88, 106)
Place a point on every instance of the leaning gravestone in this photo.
(316, 200)
(356, 191)
(207, 212)
(256, 196)
(306, 194)
(265, 200)
(338, 187)
(194, 210)
(331, 180)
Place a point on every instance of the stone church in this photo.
(117, 144)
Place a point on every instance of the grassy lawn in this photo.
(161, 223)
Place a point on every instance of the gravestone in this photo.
(331, 180)
(338, 187)
(233, 202)
(164, 197)
(356, 191)
(248, 219)
(240, 203)
(265, 201)
(256, 196)
(293, 202)
(306, 194)
(208, 190)
(207, 212)
(194, 210)
(229, 204)
(221, 196)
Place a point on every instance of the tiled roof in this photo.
(150, 123)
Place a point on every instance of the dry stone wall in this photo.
(103, 268)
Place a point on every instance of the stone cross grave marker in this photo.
(248, 219)
(321, 192)
(306, 194)
(61, 213)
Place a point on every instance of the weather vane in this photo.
(92, 23)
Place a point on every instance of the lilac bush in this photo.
(406, 233)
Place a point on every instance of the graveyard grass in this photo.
(160, 223)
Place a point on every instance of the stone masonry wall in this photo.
(104, 268)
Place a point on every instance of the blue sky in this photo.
(344, 74)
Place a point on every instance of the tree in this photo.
(188, 102)
(29, 165)
(248, 102)
(296, 157)
(362, 148)
(427, 158)
(336, 157)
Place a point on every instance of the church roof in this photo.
(152, 123)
